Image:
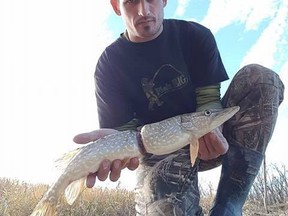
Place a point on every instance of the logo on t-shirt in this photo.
(166, 79)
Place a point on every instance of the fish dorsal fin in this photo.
(62, 162)
(74, 189)
(194, 148)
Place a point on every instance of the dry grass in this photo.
(19, 198)
(250, 208)
(276, 193)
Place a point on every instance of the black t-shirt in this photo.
(155, 80)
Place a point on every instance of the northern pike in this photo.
(158, 138)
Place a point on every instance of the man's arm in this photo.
(208, 97)
(131, 125)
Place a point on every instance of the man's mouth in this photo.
(144, 21)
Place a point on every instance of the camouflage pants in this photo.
(168, 185)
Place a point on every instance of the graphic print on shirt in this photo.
(166, 79)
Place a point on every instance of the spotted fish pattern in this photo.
(158, 138)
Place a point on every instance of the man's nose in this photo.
(143, 8)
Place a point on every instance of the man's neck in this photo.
(137, 39)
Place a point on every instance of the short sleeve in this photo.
(209, 66)
(114, 108)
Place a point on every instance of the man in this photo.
(161, 68)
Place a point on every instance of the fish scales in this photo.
(86, 160)
(115, 146)
(158, 138)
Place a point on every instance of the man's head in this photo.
(143, 18)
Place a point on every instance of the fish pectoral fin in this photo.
(62, 162)
(194, 148)
(74, 189)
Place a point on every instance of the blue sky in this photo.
(49, 50)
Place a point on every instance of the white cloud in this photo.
(222, 13)
(270, 49)
(181, 7)
(265, 49)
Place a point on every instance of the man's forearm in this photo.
(131, 125)
(208, 97)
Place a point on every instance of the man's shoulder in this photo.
(113, 48)
(186, 31)
(184, 24)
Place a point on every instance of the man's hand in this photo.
(106, 167)
(212, 145)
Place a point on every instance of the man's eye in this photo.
(130, 2)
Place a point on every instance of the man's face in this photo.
(143, 18)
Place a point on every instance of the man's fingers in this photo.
(90, 180)
(133, 164)
(207, 148)
(92, 136)
(84, 138)
(104, 170)
(115, 170)
(221, 145)
(203, 151)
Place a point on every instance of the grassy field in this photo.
(19, 199)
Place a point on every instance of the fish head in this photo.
(202, 122)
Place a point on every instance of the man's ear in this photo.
(115, 5)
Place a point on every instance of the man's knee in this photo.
(255, 81)
(255, 74)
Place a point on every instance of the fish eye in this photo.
(207, 112)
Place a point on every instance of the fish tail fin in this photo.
(74, 189)
(44, 208)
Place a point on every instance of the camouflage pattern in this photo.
(168, 185)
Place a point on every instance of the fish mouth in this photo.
(226, 114)
(219, 117)
(230, 111)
